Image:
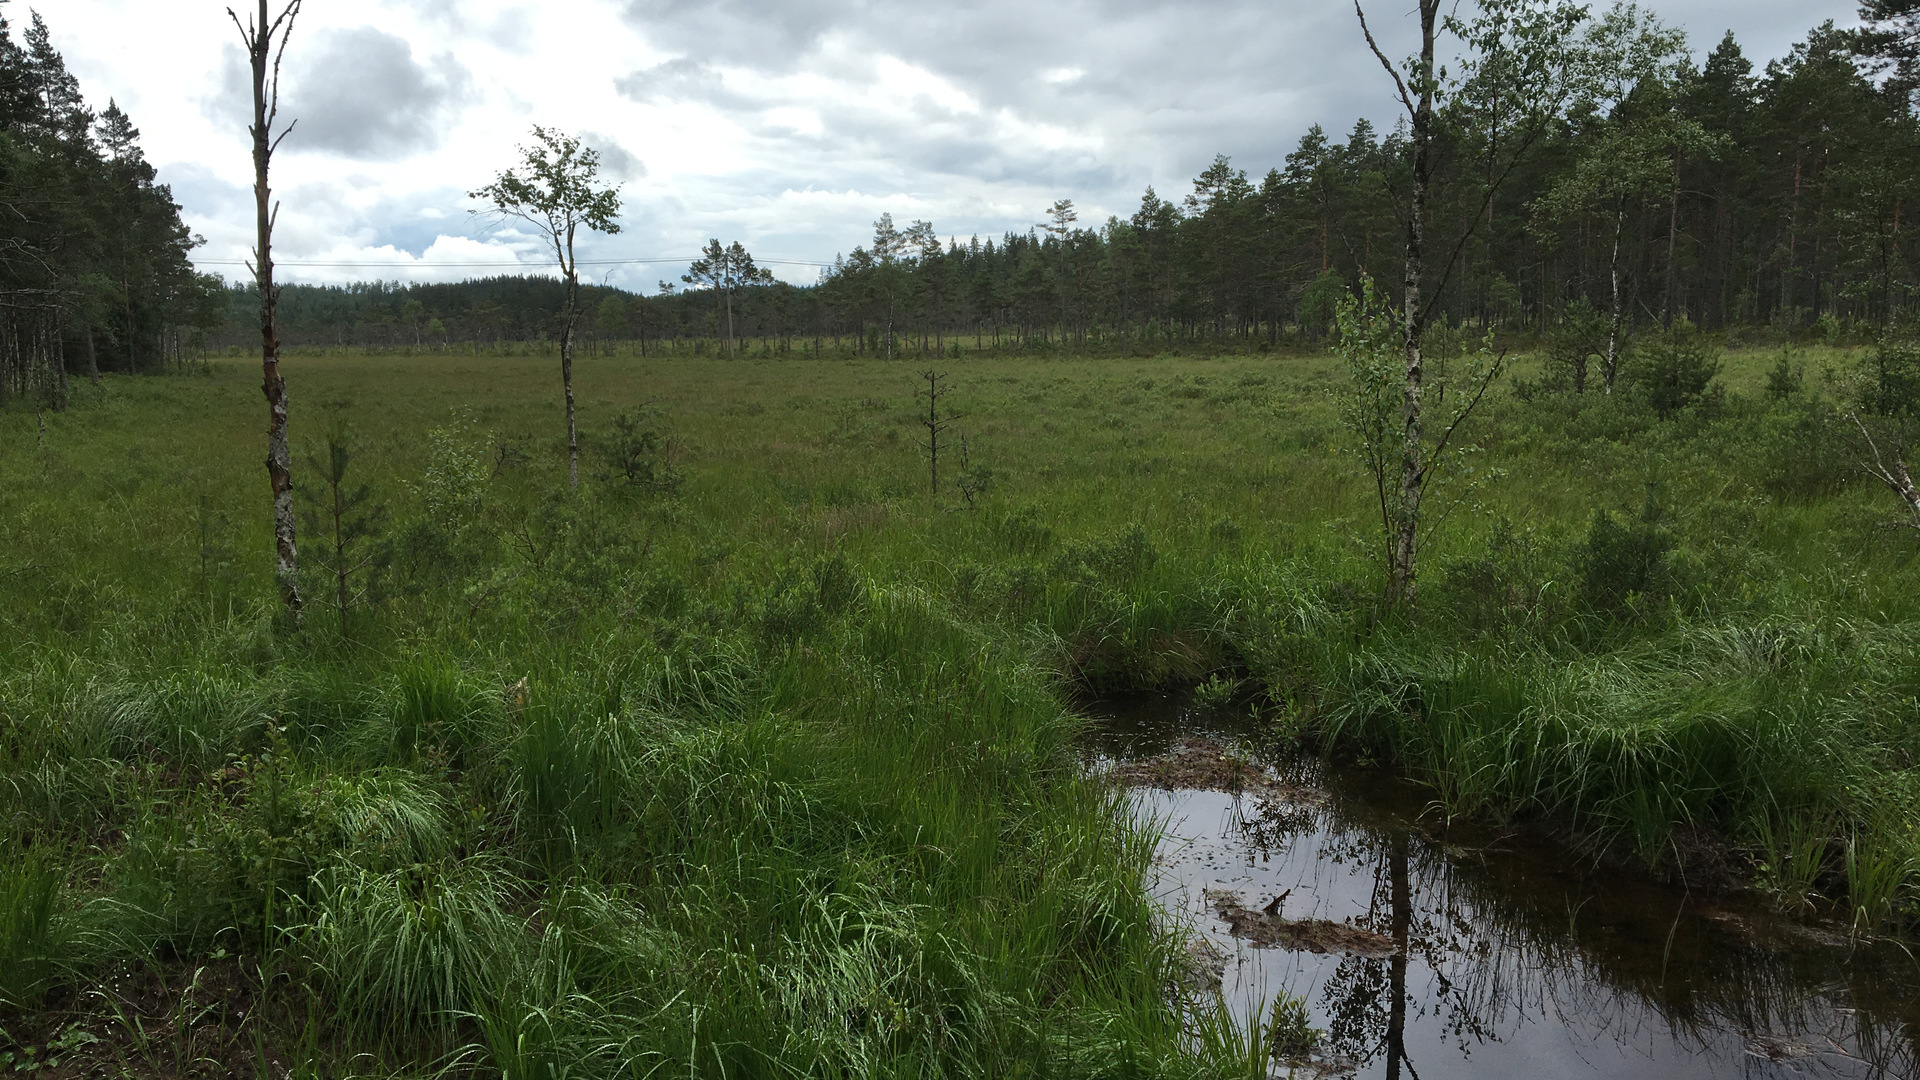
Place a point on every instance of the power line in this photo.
(480, 265)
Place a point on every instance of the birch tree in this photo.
(1511, 83)
(266, 42)
(555, 189)
(1627, 67)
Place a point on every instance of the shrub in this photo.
(1892, 379)
(1023, 533)
(1786, 379)
(1117, 559)
(1620, 564)
(1675, 368)
(1319, 302)
(1501, 585)
(637, 456)
(1573, 344)
(1801, 447)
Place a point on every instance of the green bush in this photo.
(1674, 368)
(1623, 566)
(1891, 386)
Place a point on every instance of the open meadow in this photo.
(755, 756)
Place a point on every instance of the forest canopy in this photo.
(94, 268)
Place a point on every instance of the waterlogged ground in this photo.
(1432, 952)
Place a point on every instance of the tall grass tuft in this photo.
(410, 952)
(33, 938)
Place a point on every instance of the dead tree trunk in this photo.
(1895, 474)
(266, 42)
(936, 426)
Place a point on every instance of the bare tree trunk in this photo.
(1673, 245)
(1896, 475)
(57, 356)
(1613, 319)
(265, 58)
(93, 359)
(566, 373)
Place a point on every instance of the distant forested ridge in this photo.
(94, 273)
(1788, 205)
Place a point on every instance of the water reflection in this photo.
(1511, 958)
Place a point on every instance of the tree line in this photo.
(1728, 194)
(94, 269)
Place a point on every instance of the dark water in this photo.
(1518, 958)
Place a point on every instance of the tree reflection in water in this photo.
(1514, 959)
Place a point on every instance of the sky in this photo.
(789, 125)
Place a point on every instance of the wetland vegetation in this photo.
(740, 733)
(750, 731)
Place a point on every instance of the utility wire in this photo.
(295, 265)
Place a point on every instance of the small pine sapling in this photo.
(348, 524)
(936, 425)
(974, 480)
(638, 456)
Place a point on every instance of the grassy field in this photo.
(767, 770)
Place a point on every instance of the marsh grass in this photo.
(768, 771)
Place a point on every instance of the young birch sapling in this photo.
(556, 190)
(1372, 342)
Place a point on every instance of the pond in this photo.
(1429, 951)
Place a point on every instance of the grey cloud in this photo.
(1166, 83)
(766, 33)
(616, 161)
(202, 191)
(684, 79)
(511, 30)
(360, 93)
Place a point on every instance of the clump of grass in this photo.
(411, 952)
(33, 938)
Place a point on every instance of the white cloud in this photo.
(787, 124)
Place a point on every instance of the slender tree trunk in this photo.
(1614, 315)
(1403, 580)
(126, 294)
(1402, 901)
(732, 348)
(566, 367)
(57, 355)
(1673, 245)
(93, 359)
(342, 596)
(265, 63)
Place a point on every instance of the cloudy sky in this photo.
(788, 124)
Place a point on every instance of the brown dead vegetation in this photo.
(1275, 931)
